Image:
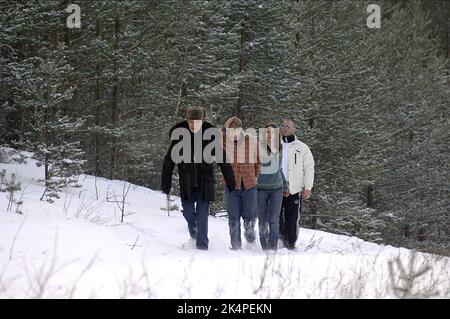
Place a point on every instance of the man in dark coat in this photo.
(196, 173)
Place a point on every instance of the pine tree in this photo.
(43, 96)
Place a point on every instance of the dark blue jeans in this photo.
(269, 207)
(241, 203)
(196, 211)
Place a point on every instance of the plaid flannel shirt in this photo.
(245, 158)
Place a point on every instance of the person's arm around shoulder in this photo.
(226, 168)
(258, 162)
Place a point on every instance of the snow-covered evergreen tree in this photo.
(44, 93)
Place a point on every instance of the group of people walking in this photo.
(265, 178)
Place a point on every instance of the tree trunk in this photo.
(55, 39)
(297, 34)
(370, 195)
(448, 37)
(97, 105)
(311, 122)
(46, 143)
(182, 87)
(242, 63)
(314, 212)
(115, 99)
(68, 37)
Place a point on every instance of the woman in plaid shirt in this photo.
(242, 150)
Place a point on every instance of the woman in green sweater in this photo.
(270, 184)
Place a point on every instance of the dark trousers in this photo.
(269, 206)
(196, 211)
(289, 219)
(241, 203)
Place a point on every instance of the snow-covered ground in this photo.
(77, 247)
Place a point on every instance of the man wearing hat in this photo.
(196, 174)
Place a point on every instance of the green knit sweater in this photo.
(271, 175)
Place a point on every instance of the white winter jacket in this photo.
(300, 167)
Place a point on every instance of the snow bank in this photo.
(77, 247)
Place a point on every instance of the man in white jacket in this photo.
(298, 169)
